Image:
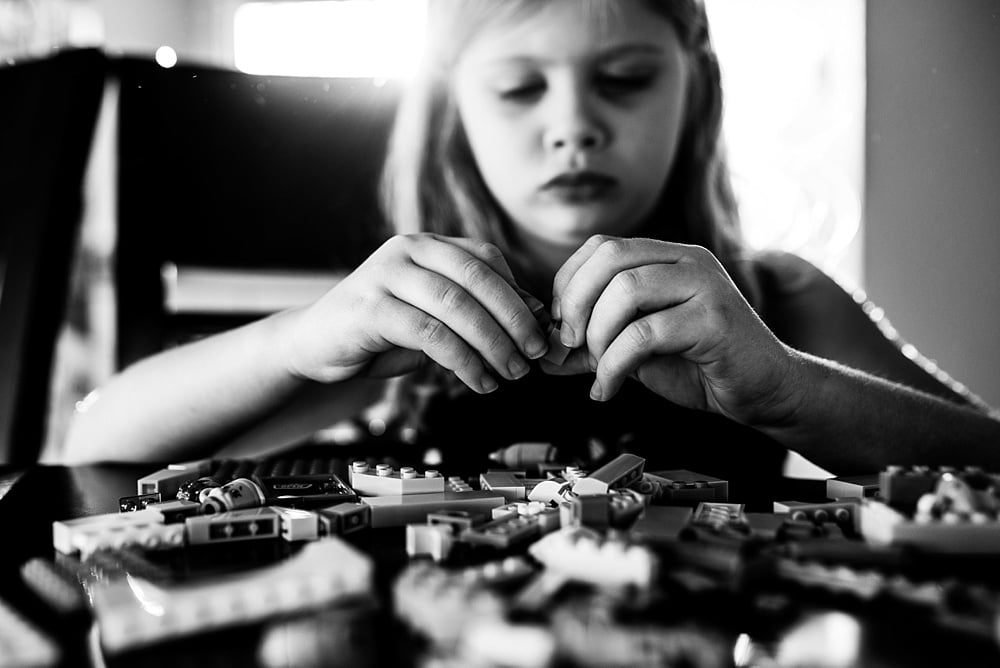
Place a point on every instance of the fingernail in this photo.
(556, 311)
(533, 304)
(517, 367)
(592, 361)
(535, 347)
(567, 336)
(487, 384)
(596, 393)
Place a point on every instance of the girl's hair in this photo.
(431, 182)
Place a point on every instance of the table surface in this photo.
(886, 631)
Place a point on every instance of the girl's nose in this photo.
(574, 127)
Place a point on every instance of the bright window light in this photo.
(794, 77)
(381, 39)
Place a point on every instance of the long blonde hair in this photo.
(431, 182)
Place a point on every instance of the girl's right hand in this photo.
(421, 296)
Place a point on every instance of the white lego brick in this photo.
(384, 481)
(622, 471)
(233, 526)
(318, 575)
(65, 531)
(148, 536)
(434, 540)
(585, 555)
(297, 524)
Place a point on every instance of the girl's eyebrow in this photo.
(618, 51)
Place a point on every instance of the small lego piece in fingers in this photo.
(557, 352)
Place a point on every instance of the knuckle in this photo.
(451, 297)
(474, 272)
(639, 333)
(490, 251)
(612, 248)
(432, 331)
(628, 282)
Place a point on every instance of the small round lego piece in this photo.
(359, 466)
(383, 470)
(407, 473)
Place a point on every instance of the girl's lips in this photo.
(579, 186)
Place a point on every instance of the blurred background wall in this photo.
(932, 186)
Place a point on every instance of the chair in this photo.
(238, 181)
(47, 119)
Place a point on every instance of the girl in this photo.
(561, 157)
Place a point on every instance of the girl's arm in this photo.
(417, 298)
(185, 402)
(824, 381)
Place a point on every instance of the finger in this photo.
(405, 326)
(494, 293)
(569, 268)
(492, 256)
(668, 332)
(465, 315)
(610, 257)
(635, 291)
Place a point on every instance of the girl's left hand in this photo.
(670, 316)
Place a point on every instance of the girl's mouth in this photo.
(578, 187)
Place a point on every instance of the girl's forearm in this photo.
(187, 401)
(851, 422)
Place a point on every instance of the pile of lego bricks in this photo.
(548, 564)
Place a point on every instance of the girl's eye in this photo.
(623, 84)
(522, 92)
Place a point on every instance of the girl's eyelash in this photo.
(613, 84)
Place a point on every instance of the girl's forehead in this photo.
(560, 29)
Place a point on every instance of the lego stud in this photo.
(359, 466)
(383, 470)
(431, 473)
(407, 473)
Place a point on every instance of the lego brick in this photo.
(718, 515)
(457, 484)
(307, 491)
(234, 495)
(166, 482)
(320, 574)
(553, 490)
(177, 510)
(129, 504)
(661, 523)
(400, 510)
(233, 526)
(882, 524)
(457, 520)
(840, 512)
(853, 487)
(503, 533)
(589, 556)
(510, 484)
(433, 540)
(557, 352)
(684, 486)
(621, 471)
(902, 486)
(148, 536)
(297, 524)
(384, 481)
(66, 532)
(344, 518)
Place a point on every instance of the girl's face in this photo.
(573, 112)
